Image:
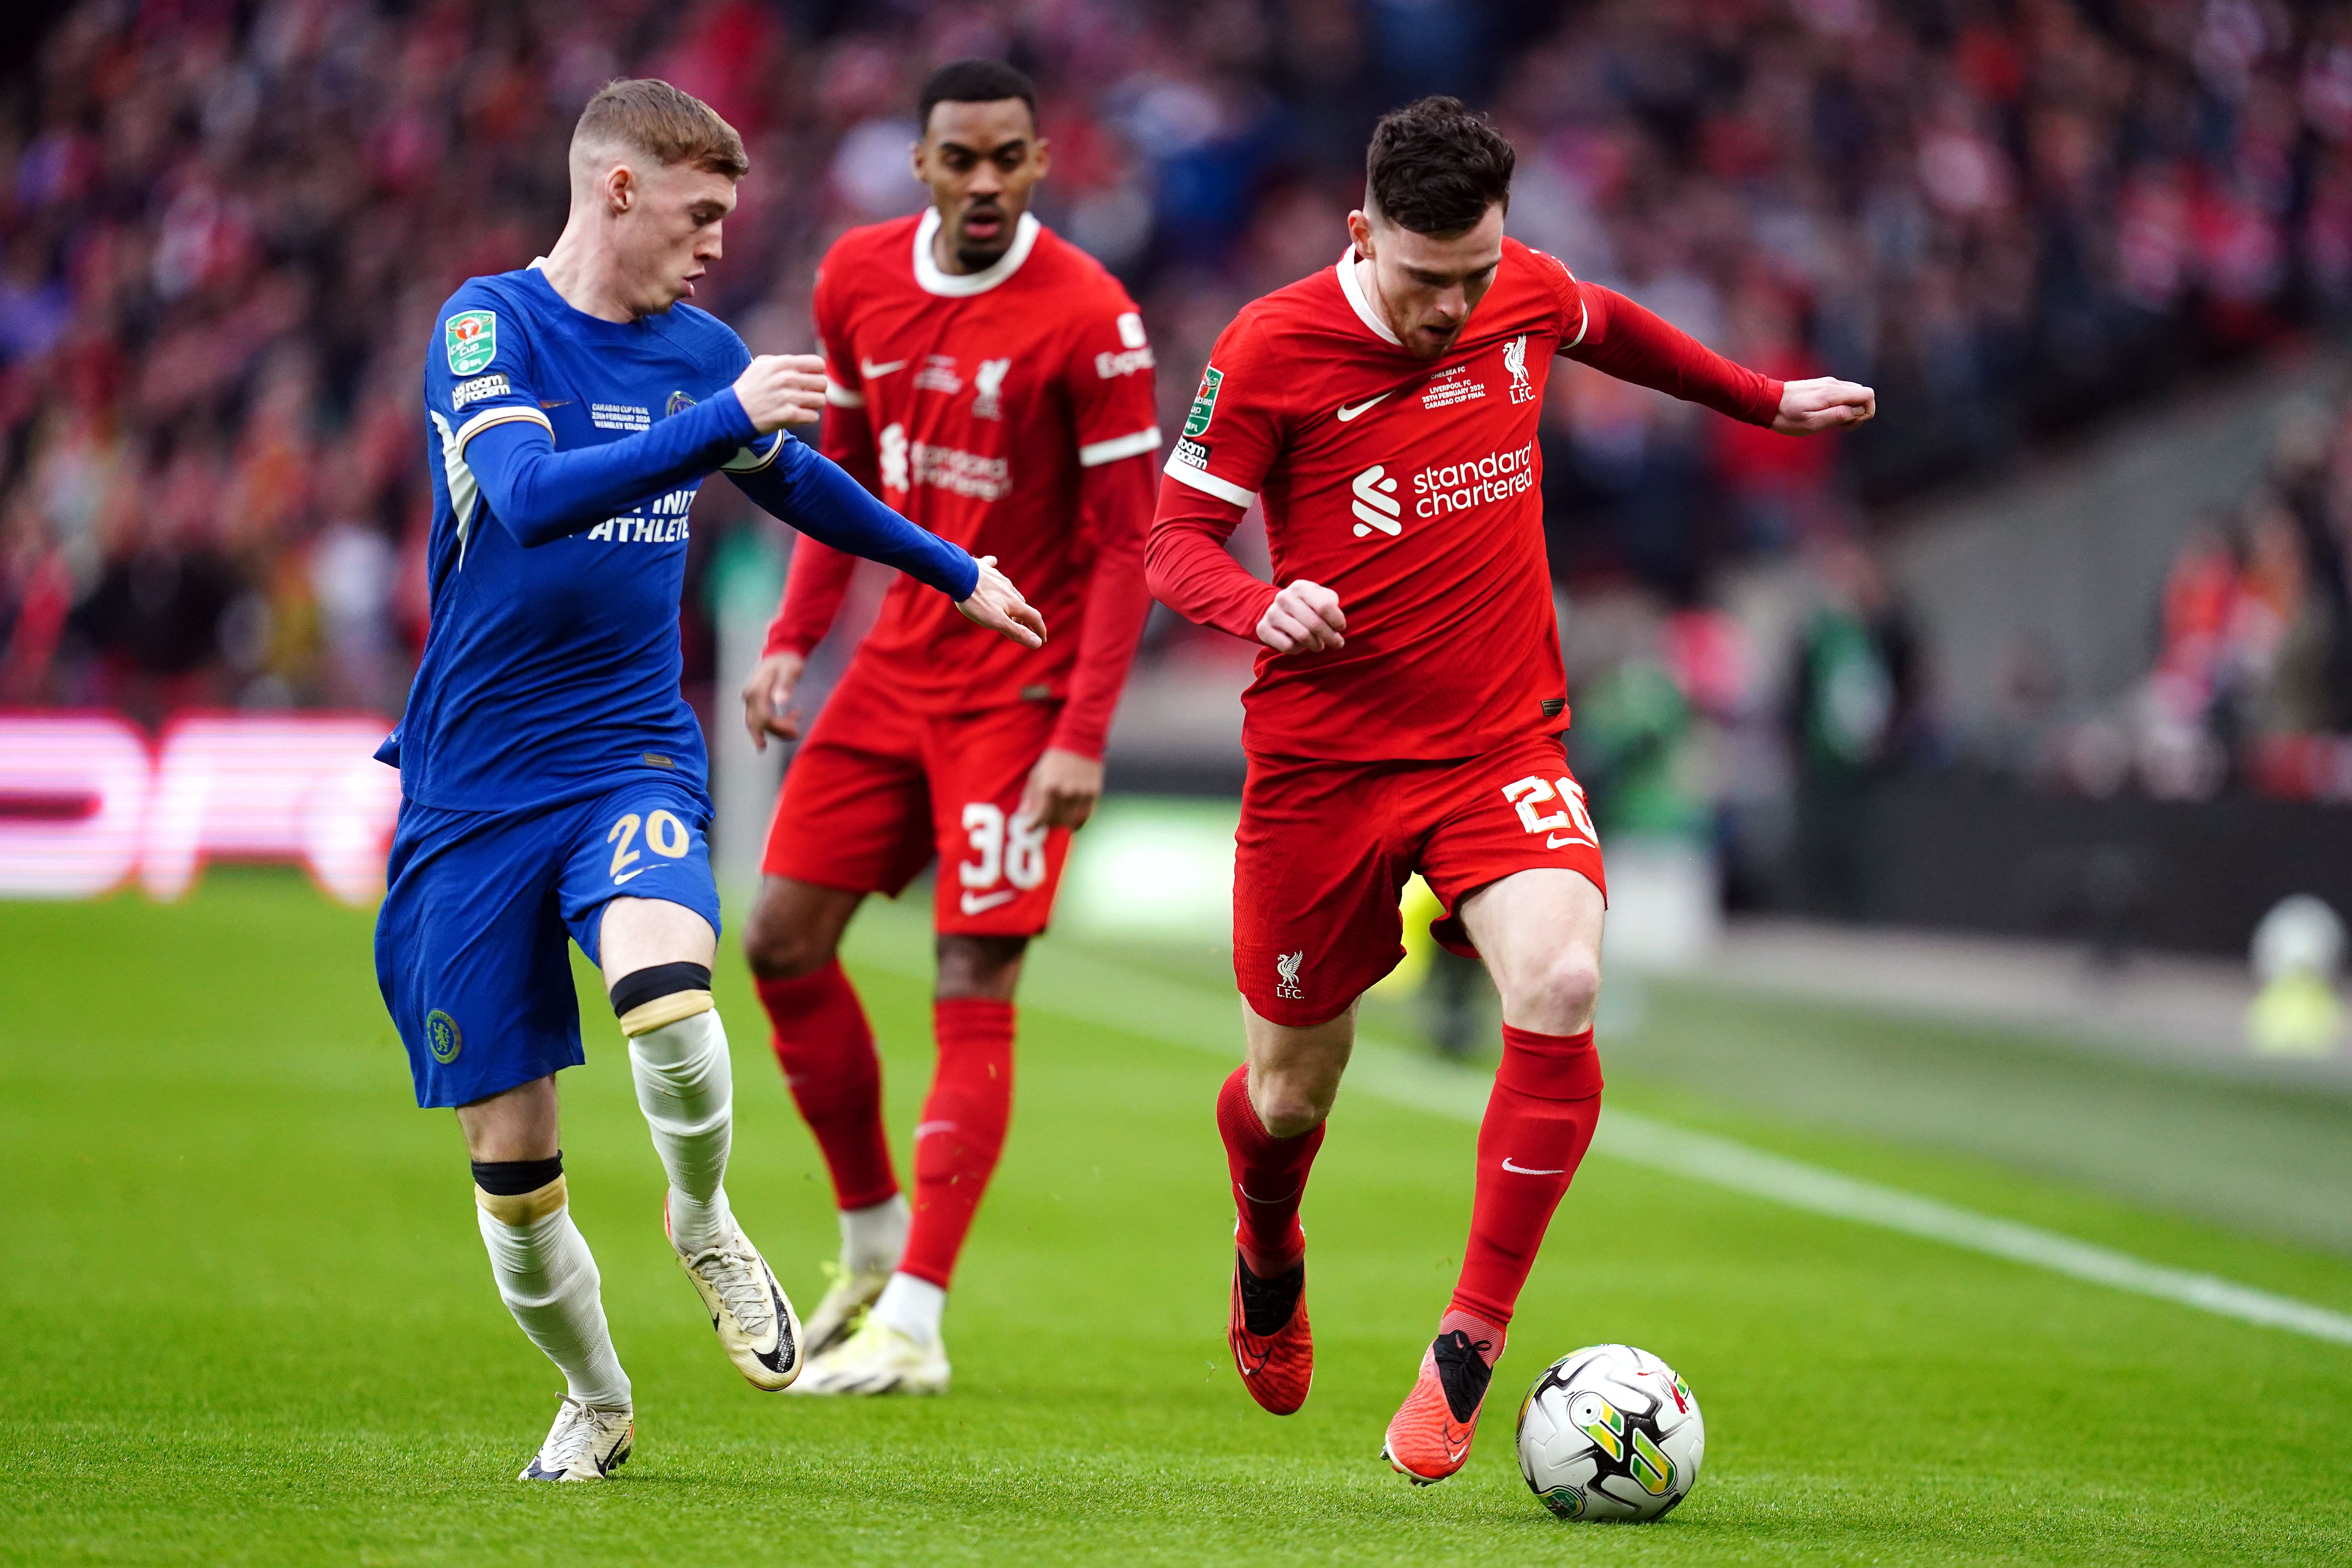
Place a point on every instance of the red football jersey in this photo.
(973, 403)
(1411, 487)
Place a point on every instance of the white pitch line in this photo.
(1097, 991)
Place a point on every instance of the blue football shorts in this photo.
(469, 943)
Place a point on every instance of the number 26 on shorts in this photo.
(1571, 824)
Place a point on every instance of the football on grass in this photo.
(1610, 1432)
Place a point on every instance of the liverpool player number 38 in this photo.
(1408, 706)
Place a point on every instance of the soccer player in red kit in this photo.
(992, 381)
(1408, 706)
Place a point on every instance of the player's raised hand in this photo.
(1304, 617)
(778, 390)
(1062, 790)
(1824, 403)
(997, 605)
(768, 698)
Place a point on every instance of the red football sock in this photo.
(1269, 1178)
(961, 1133)
(1539, 1123)
(827, 1050)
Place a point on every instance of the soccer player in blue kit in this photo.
(551, 775)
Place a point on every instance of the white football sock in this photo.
(876, 1235)
(547, 1277)
(685, 1088)
(913, 1307)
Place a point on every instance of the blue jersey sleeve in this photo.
(541, 494)
(812, 492)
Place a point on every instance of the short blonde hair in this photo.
(649, 116)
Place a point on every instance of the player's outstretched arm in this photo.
(1824, 403)
(816, 496)
(1611, 333)
(542, 495)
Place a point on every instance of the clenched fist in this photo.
(777, 390)
(1824, 403)
(1304, 617)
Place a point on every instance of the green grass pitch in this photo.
(244, 1316)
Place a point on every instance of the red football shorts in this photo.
(1325, 849)
(877, 789)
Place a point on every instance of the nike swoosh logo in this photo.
(626, 876)
(785, 1354)
(558, 403)
(975, 903)
(925, 1130)
(873, 372)
(1523, 1171)
(1347, 412)
(1255, 1199)
(1558, 839)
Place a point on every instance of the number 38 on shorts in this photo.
(1566, 822)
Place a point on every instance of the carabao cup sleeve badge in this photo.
(473, 341)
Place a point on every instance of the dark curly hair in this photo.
(1434, 167)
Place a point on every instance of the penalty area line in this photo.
(1091, 990)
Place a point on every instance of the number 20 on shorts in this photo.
(665, 834)
(1570, 822)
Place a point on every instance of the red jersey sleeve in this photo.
(1113, 418)
(1113, 404)
(819, 579)
(1602, 328)
(1232, 434)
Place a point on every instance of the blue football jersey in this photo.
(552, 670)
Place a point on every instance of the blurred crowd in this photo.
(2251, 681)
(228, 223)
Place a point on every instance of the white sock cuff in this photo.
(876, 1235)
(913, 1307)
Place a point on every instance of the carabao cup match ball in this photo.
(1611, 1433)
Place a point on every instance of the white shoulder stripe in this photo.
(1095, 453)
(1209, 484)
(489, 417)
(841, 396)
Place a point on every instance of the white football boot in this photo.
(843, 1309)
(878, 1359)
(756, 1325)
(584, 1445)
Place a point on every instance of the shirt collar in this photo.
(934, 281)
(1365, 312)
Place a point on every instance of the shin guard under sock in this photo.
(1269, 1176)
(961, 1133)
(678, 1057)
(827, 1049)
(1539, 1123)
(547, 1277)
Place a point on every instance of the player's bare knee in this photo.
(1287, 1113)
(781, 948)
(1559, 989)
(984, 967)
(1288, 1104)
